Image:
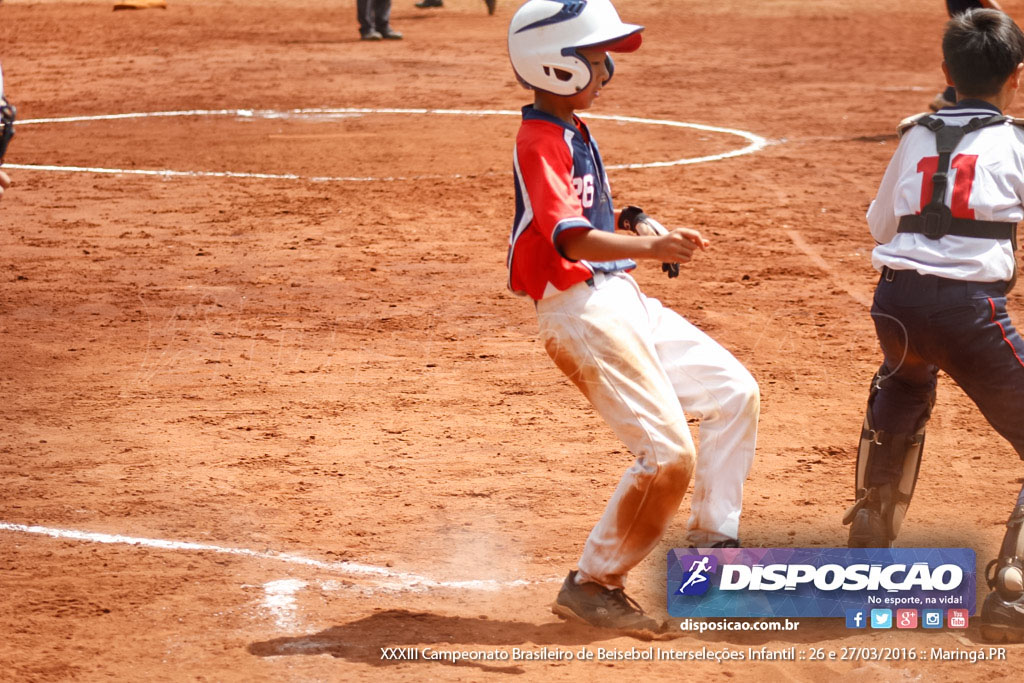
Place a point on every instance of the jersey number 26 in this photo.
(584, 190)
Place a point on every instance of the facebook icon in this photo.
(856, 618)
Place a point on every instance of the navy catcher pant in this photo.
(926, 324)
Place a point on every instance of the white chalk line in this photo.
(385, 578)
(756, 142)
(855, 293)
(279, 599)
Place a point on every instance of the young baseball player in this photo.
(375, 20)
(6, 132)
(638, 363)
(945, 219)
(954, 8)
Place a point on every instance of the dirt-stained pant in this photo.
(641, 365)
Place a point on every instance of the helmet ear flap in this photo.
(573, 72)
(609, 64)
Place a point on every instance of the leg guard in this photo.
(1002, 615)
(887, 469)
(1008, 575)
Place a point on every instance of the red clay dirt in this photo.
(333, 370)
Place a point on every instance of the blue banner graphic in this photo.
(818, 582)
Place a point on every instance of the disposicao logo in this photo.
(817, 582)
(697, 578)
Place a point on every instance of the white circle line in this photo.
(208, 174)
(387, 579)
(756, 142)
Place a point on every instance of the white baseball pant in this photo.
(641, 365)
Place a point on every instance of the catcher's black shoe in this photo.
(426, 4)
(1002, 621)
(868, 530)
(598, 606)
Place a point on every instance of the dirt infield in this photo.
(268, 415)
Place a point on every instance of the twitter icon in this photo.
(881, 618)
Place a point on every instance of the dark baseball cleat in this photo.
(490, 5)
(598, 606)
(868, 530)
(371, 35)
(427, 4)
(1002, 621)
(390, 34)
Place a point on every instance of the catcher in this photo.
(638, 363)
(945, 218)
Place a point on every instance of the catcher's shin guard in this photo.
(1008, 577)
(887, 469)
(1002, 615)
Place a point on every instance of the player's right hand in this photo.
(5, 182)
(678, 246)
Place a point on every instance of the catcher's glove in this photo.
(633, 219)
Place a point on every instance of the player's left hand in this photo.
(635, 220)
(5, 182)
(651, 227)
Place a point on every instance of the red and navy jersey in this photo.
(560, 185)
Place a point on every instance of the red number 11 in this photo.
(964, 165)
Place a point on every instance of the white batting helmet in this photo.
(545, 36)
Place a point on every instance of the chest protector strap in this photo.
(935, 219)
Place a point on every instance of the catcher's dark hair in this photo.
(982, 48)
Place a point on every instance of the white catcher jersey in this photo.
(986, 182)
